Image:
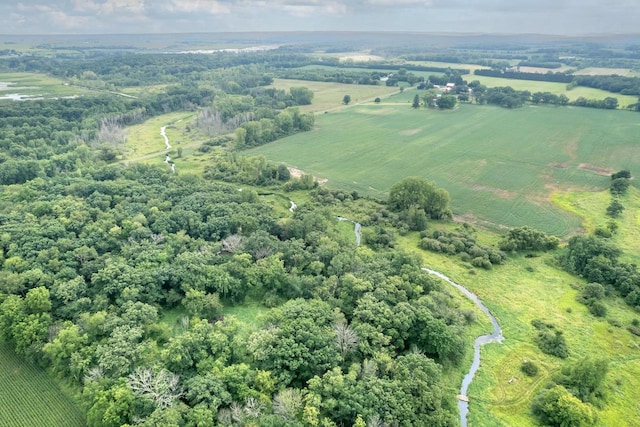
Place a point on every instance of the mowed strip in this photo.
(500, 166)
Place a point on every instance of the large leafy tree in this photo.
(299, 342)
(418, 192)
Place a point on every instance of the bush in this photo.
(550, 340)
(529, 368)
(615, 208)
(469, 315)
(625, 173)
(634, 330)
(619, 186)
(598, 309)
(527, 238)
(603, 232)
(481, 262)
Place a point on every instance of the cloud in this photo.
(199, 6)
(125, 16)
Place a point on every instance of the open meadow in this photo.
(555, 88)
(500, 166)
(30, 397)
(329, 95)
(18, 86)
(528, 288)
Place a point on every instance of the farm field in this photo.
(33, 85)
(555, 88)
(451, 65)
(596, 71)
(29, 397)
(329, 95)
(500, 166)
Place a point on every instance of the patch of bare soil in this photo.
(297, 173)
(595, 169)
(558, 165)
(410, 132)
(505, 194)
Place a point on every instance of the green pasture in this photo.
(591, 207)
(532, 288)
(36, 85)
(146, 144)
(145, 139)
(500, 166)
(599, 71)
(328, 95)
(30, 397)
(556, 88)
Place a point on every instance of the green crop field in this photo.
(29, 397)
(500, 166)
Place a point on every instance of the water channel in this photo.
(495, 336)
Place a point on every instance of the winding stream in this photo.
(495, 336)
(163, 132)
(357, 228)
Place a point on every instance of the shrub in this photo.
(481, 262)
(529, 368)
(550, 340)
(598, 309)
(527, 238)
(625, 173)
(634, 330)
(615, 208)
(619, 186)
(603, 232)
(469, 315)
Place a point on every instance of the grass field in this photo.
(591, 207)
(146, 144)
(329, 96)
(32, 85)
(556, 88)
(595, 71)
(29, 397)
(500, 166)
(531, 288)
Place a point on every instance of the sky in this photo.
(559, 17)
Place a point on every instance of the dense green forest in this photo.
(116, 278)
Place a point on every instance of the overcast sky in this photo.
(570, 17)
